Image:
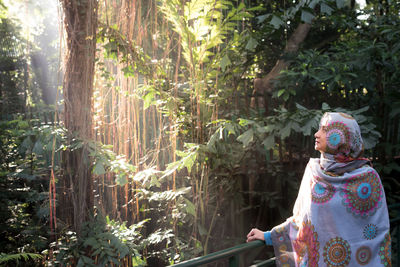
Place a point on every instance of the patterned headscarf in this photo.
(340, 217)
(344, 144)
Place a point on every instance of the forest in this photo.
(150, 132)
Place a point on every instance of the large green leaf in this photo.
(251, 44)
(98, 168)
(276, 22)
(307, 16)
(326, 9)
(340, 3)
(247, 137)
(269, 142)
(225, 62)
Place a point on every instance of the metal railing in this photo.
(233, 253)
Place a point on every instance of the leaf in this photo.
(340, 3)
(229, 127)
(91, 241)
(251, 44)
(298, 106)
(285, 132)
(262, 18)
(225, 62)
(26, 144)
(4, 258)
(121, 179)
(306, 16)
(326, 9)
(269, 142)
(38, 148)
(202, 230)
(369, 143)
(269, 128)
(98, 168)
(276, 22)
(246, 138)
(244, 122)
(190, 160)
(155, 182)
(148, 100)
(325, 106)
(310, 125)
(281, 92)
(190, 208)
(361, 110)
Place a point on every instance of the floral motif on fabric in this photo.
(362, 194)
(307, 245)
(337, 252)
(321, 192)
(338, 138)
(282, 243)
(370, 231)
(385, 251)
(363, 255)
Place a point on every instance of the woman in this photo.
(340, 217)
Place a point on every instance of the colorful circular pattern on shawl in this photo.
(363, 255)
(362, 194)
(385, 251)
(307, 244)
(284, 258)
(338, 138)
(322, 192)
(337, 252)
(370, 231)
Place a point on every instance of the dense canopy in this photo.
(149, 132)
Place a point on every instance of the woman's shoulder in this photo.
(314, 161)
(364, 169)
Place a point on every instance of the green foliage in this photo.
(241, 169)
(23, 191)
(105, 160)
(262, 132)
(103, 242)
(122, 50)
(25, 257)
(12, 67)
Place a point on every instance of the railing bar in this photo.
(268, 262)
(226, 253)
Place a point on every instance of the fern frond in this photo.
(19, 256)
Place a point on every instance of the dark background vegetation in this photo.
(190, 123)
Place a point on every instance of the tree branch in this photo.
(265, 84)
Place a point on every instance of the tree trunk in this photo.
(263, 85)
(81, 25)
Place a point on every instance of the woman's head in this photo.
(339, 135)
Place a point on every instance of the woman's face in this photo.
(320, 140)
